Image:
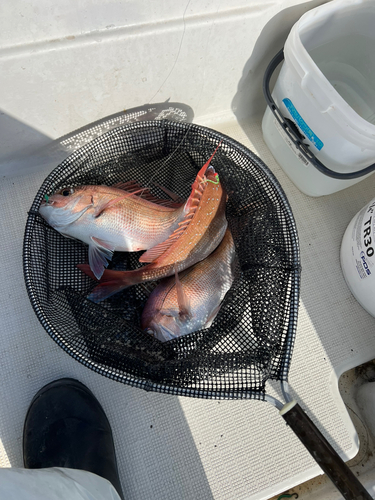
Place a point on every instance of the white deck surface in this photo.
(178, 448)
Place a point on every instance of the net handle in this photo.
(293, 133)
(323, 453)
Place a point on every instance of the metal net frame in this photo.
(252, 337)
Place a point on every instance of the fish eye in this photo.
(67, 191)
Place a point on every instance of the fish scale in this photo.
(204, 286)
(111, 219)
(199, 235)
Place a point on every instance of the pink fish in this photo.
(197, 235)
(124, 218)
(183, 304)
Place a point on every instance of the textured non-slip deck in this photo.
(171, 447)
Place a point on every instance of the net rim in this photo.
(145, 384)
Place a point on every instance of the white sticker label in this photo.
(292, 146)
(363, 241)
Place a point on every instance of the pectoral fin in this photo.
(100, 253)
(183, 309)
(182, 299)
(212, 316)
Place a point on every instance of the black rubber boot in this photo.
(65, 426)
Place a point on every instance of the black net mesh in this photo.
(252, 337)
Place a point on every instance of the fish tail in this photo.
(104, 291)
(110, 283)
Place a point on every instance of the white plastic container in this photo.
(326, 86)
(357, 257)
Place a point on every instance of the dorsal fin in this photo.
(127, 186)
(155, 252)
(191, 205)
(143, 192)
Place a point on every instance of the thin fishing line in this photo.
(169, 74)
(162, 85)
(178, 54)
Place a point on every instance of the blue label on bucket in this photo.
(303, 125)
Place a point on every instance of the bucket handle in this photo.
(293, 133)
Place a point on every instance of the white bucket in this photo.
(357, 257)
(326, 87)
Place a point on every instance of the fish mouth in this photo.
(61, 216)
(46, 203)
(211, 174)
